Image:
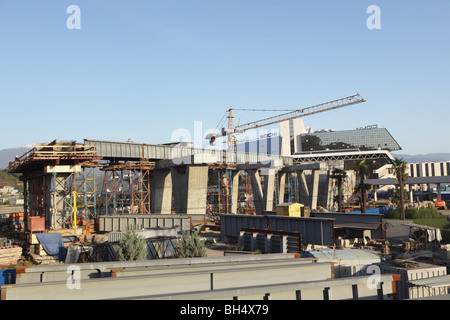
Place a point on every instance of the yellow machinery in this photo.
(290, 209)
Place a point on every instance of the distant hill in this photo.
(9, 154)
(429, 157)
(7, 179)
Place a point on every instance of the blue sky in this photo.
(142, 69)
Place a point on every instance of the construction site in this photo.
(276, 225)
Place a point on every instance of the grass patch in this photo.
(415, 214)
(441, 223)
(424, 216)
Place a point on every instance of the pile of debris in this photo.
(10, 254)
(405, 263)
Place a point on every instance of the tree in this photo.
(361, 169)
(191, 245)
(399, 166)
(339, 175)
(131, 246)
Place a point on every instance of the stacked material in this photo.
(16, 221)
(243, 277)
(10, 255)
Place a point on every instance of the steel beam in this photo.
(354, 288)
(122, 287)
(318, 231)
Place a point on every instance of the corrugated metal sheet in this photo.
(348, 262)
(423, 271)
(434, 282)
(108, 223)
(115, 236)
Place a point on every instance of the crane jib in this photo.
(302, 112)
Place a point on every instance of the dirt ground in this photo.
(215, 247)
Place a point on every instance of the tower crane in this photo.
(231, 131)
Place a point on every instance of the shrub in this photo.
(414, 213)
(131, 247)
(392, 214)
(191, 245)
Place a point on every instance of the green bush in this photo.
(414, 213)
(191, 245)
(392, 214)
(131, 247)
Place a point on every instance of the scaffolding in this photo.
(48, 174)
(126, 187)
(86, 191)
(219, 199)
(292, 188)
(246, 201)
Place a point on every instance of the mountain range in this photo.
(417, 158)
(9, 154)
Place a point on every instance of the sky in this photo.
(144, 70)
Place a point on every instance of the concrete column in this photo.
(297, 129)
(285, 138)
(303, 188)
(411, 194)
(269, 188)
(161, 191)
(258, 195)
(375, 188)
(235, 191)
(281, 186)
(315, 189)
(190, 186)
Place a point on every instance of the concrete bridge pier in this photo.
(235, 190)
(262, 188)
(186, 178)
(308, 188)
(281, 186)
(161, 191)
(190, 185)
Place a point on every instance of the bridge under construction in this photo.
(62, 189)
(68, 183)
